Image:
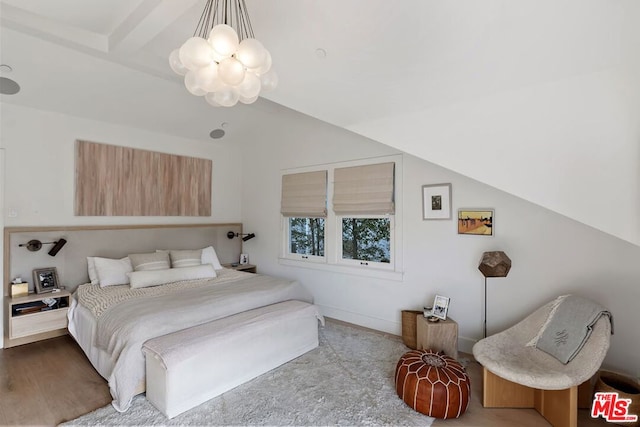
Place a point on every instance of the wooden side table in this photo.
(437, 336)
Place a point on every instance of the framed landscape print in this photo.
(436, 201)
(479, 222)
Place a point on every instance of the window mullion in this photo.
(331, 230)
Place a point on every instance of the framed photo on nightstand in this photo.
(45, 279)
(440, 307)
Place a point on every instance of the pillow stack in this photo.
(109, 272)
(180, 259)
(150, 262)
(154, 268)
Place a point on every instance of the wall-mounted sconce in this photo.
(245, 237)
(36, 245)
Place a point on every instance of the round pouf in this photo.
(433, 384)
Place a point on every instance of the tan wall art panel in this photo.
(122, 181)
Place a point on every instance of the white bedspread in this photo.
(124, 326)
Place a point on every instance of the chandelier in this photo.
(223, 62)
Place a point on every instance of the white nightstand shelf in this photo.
(247, 268)
(29, 319)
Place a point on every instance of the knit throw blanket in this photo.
(569, 326)
(98, 299)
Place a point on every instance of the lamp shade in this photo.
(495, 264)
(223, 61)
(56, 248)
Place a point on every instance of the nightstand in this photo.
(29, 319)
(438, 336)
(247, 268)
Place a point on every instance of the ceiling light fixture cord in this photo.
(243, 21)
(223, 61)
(203, 23)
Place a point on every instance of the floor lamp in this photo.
(493, 264)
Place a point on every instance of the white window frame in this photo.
(302, 257)
(332, 260)
(361, 263)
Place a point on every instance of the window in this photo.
(358, 228)
(366, 240)
(306, 236)
(304, 206)
(363, 199)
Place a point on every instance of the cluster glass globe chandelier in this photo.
(223, 62)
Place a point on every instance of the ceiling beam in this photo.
(146, 22)
(36, 25)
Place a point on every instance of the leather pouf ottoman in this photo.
(433, 384)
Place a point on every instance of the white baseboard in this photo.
(465, 344)
(395, 328)
(383, 325)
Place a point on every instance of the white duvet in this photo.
(124, 324)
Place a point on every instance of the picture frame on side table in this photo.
(45, 280)
(479, 222)
(440, 307)
(436, 201)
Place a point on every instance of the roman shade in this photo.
(304, 194)
(364, 190)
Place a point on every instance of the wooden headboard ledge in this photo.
(111, 241)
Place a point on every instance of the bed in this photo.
(112, 323)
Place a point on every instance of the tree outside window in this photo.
(366, 239)
(306, 236)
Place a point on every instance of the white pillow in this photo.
(209, 257)
(91, 268)
(150, 261)
(113, 271)
(187, 258)
(143, 279)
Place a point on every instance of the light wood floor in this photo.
(48, 382)
(52, 381)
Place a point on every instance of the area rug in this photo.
(347, 380)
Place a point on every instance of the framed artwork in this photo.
(244, 259)
(436, 201)
(176, 185)
(45, 280)
(440, 307)
(476, 221)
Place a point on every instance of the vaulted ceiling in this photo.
(540, 98)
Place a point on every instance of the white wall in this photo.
(38, 178)
(40, 174)
(552, 255)
(568, 140)
(570, 145)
